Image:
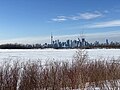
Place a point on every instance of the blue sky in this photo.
(38, 18)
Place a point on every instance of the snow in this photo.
(54, 54)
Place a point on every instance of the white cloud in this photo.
(97, 25)
(112, 36)
(113, 23)
(59, 19)
(84, 16)
(106, 11)
(88, 16)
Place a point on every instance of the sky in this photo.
(32, 21)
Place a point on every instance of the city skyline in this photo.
(80, 42)
(32, 21)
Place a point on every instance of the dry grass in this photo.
(81, 73)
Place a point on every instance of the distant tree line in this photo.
(20, 46)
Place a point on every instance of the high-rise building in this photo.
(51, 39)
(83, 42)
(107, 42)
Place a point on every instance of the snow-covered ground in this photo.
(51, 54)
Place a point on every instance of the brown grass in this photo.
(81, 73)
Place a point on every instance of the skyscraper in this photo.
(51, 39)
(83, 42)
(107, 42)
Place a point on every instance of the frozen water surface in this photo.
(53, 54)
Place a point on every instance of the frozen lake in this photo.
(51, 54)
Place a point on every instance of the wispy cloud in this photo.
(113, 23)
(106, 11)
(59, 18)
(87, 16)
(84, 16)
